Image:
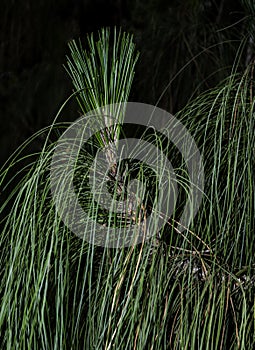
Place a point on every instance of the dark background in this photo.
(169, 34)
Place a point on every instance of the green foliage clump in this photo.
(186, 290)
